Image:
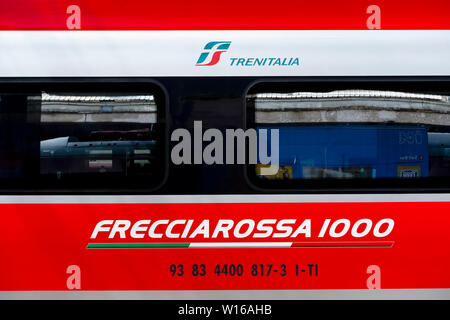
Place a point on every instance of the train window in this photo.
(347, 137)
(75, 141)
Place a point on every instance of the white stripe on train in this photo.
(176, 53)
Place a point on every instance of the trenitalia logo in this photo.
(213, 50)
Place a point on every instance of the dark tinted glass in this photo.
(59, 140)
(353, 134)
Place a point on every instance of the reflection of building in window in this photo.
(103, 136)
(284, 172)
(351, 106)
(342, 172)
(90, 108)
(352, 134)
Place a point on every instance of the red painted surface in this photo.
(219, 15)
(39, 241)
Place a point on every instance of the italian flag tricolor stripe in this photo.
(325, 244)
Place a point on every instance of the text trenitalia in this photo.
(246, 228)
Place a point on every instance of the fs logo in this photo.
(213, 50)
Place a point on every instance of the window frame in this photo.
(28, 86)
(340, 186)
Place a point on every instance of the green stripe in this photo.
(136, 245)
